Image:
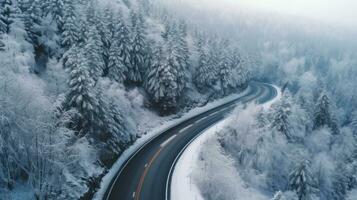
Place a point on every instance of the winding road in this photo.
(147, 174)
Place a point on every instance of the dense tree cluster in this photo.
(78, 129)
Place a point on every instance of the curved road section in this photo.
(147, 174)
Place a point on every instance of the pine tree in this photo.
(106, 28)
(116, 66)
(94, 54)
(117, 137)
(81, 95)
(180, 46)
(33, 21)
(213, 63)
(92, 16)
(322, 115)
(138, 48)
(6, 15)
(161, 83)
(302, 182)
(123, 36)
(70, 34)
(281, 113)
(225, 72)
(205, 75)
(154, 75)
(57, 11)
(169, 88)
(240, 74)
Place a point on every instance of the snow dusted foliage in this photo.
(285, 196)
(204, 75)
(281, 116)
(70, 30)
(34, 143)
(220, 66)
(94, 54)
(76, 79)
(161, 82)
(322, 115)
(138, 49)
(278, 150)
(9, 11)
(56, 8)
(116, 66)
(81, 94)
(123, 37)
(302, 182)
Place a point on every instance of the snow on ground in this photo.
(162, 126)
(183, 186)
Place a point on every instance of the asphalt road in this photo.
(147, 175)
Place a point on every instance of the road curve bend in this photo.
(147, 174)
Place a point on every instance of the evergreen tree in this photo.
(281, 113)
(57, 11)
(225, 72)
(123, 37)
(240, 74)
(302, 182)
(205, 75)
(116, 66)
(70, 60)
(33, 21)
(93, 53)
(91, 14)
(7, 15)
(161, 83)
(213, 63)
(81, 95)
(138, 48)
(70, 34)
(180, 46)
(106, 28)
(322, 115)
(117, 137)
(154, 75)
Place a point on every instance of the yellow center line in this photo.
(147, 167)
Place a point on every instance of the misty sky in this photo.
(343, 12)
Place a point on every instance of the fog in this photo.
(334, 12)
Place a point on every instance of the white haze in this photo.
(334, 12)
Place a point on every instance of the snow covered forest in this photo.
(304, 147)
(80, 81)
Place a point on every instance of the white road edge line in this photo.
(167, 195)
(187, 127)
(176, 159)
(167, 141)
(116, 177)
(200, 120)
(133, 195)
(213, 113)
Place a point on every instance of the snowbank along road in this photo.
(147, 174)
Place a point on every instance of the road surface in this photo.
(147, 174)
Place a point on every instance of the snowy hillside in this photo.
(82, 80)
